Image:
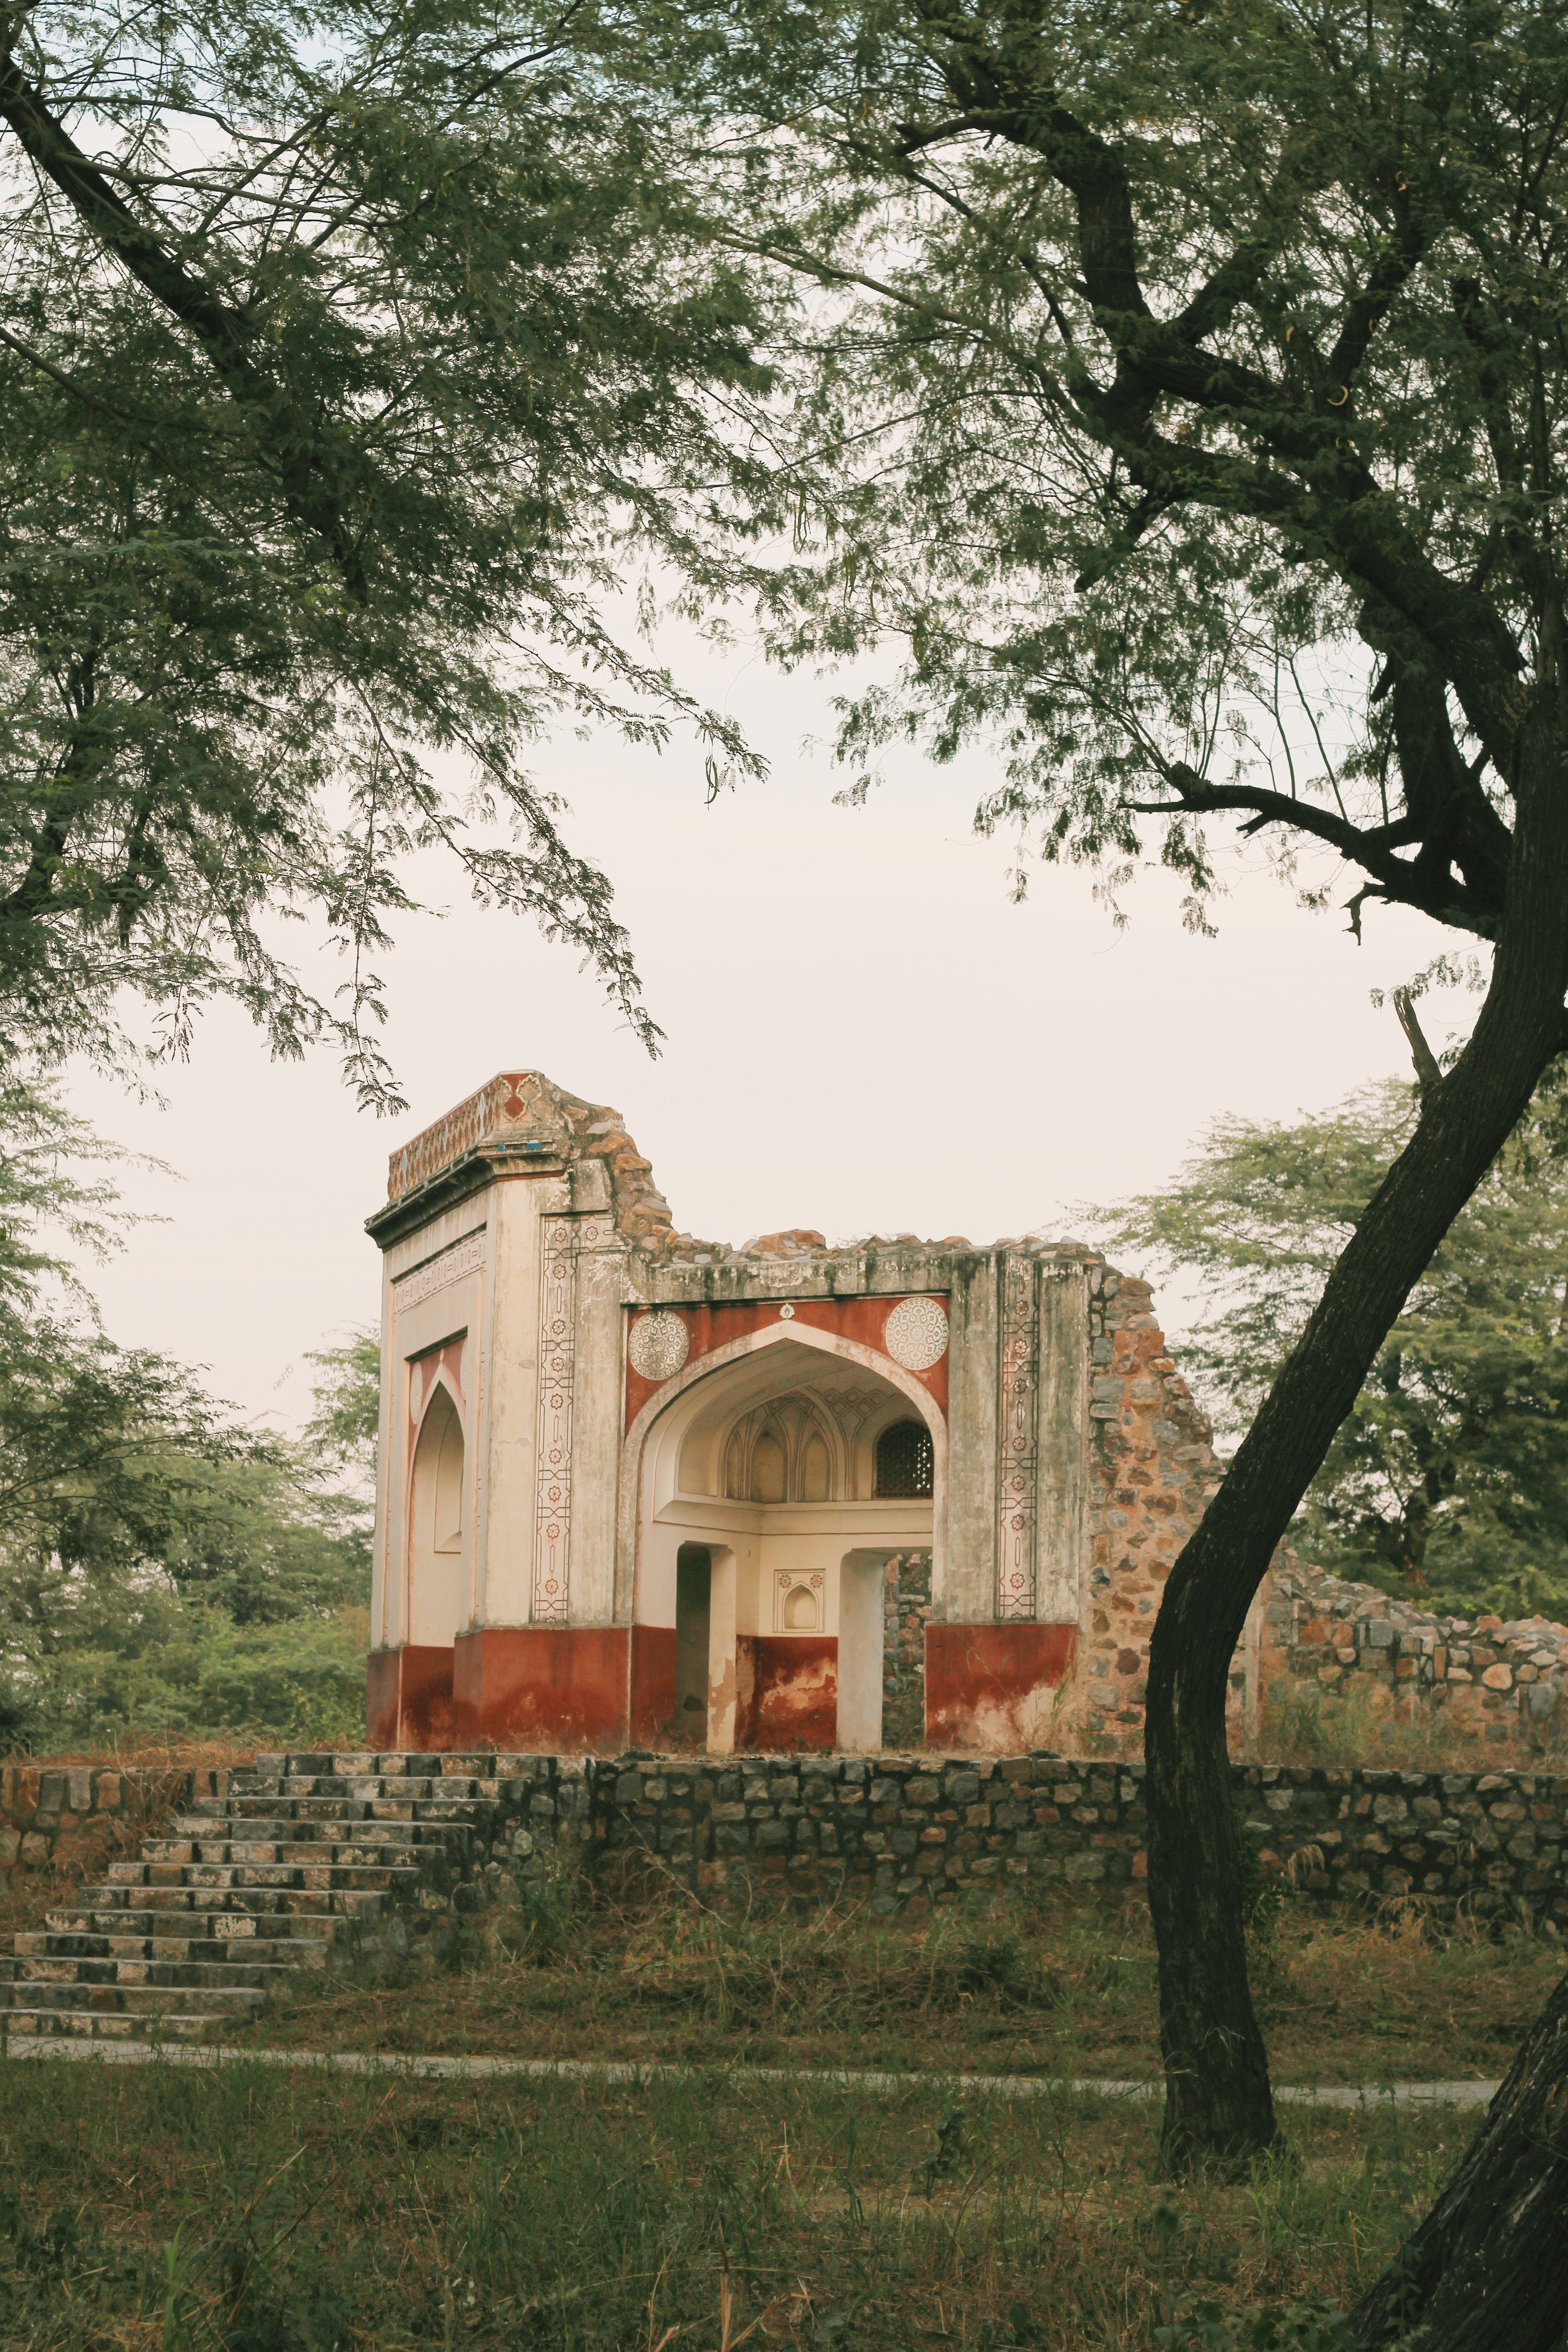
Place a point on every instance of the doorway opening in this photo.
(693, 1618)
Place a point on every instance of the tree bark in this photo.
(1218, 2106)
(1489, 2266)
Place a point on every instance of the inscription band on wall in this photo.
(466, 1256)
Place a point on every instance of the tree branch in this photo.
(1440, 896)
(1428, 1077)
(225, 333)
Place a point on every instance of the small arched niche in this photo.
(769, 1468)
(437, 1533)
(800, 1612)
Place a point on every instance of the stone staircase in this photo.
(305, 1862)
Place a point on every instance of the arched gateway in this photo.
(639, 1490)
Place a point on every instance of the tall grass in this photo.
(248, 2210)
(1307, 1725)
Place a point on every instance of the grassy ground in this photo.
(653, 1975)
(249, 2209)
(254, 2209)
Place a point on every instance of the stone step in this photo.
(412, 1825)
(101, 2025)
(348, 1797)
(280, 1951)
(297, 1904)
(57, 1968)
(311, 1789)
(239, 2003)
(479, 1764)
(281, 1871)
(363, 1877)
(349, 1845)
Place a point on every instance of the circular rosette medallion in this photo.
(916, 1334)
(658, 1346)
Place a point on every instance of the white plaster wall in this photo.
(598, 1404)
(407, 1331)
(722, 1630)
(860, 1642)
(509, 1427)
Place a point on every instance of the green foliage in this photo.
(346, 1422)
(1450, 1476)
(349, 365)
(1207, 2326)
(151, 1664)
(163, 1568)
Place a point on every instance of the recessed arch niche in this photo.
(439, 1516)
(767, 1457)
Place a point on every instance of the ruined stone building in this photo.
(640, 1491)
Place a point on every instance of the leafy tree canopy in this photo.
(346, 1424)
(1183, 388)
(130, 1498)
(1449, 1480)
(345, 358)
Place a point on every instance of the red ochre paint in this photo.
(408, 1699)
(786, 1691)
(539, 1687)
(653, 1687)
(992, 1686)
(863, 1321)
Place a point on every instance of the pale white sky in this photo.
(863, 1035)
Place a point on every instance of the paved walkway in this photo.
(613, 2070)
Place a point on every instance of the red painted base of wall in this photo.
(542, 1689)
(408, 1699)
(600, 1688)
(786, 1691)
(991, 1686)
(653, 1687)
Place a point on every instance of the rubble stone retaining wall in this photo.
(907, 1612)
(905, 1835)
(1502, 1685)
(909, 1833)
(1152, 1471)
(66, 1817)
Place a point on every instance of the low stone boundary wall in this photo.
(901, 1834)
(908, 1833)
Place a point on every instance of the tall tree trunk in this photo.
(1488, 2268)
(1218, 2100)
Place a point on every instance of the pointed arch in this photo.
(667, 1417)
(438, 1544)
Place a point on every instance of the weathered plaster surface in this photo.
(1069, 1462)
